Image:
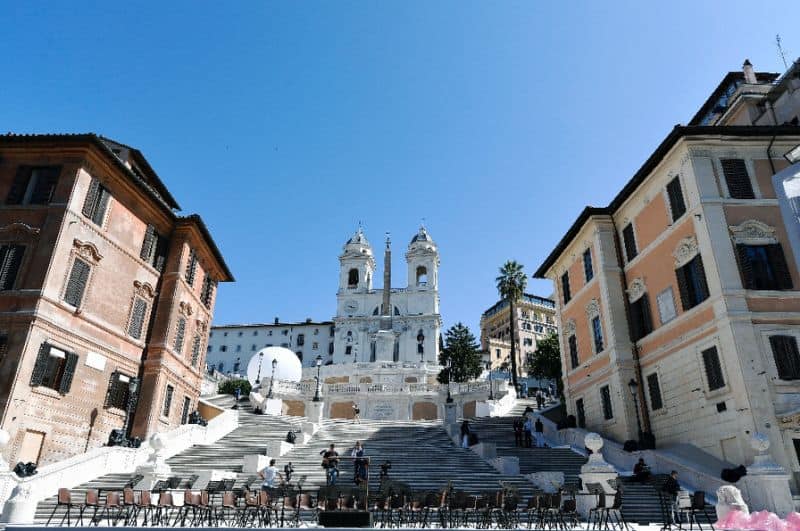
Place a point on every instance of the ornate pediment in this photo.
(87, 251)
(686, 250)
(18, 232)
(201, 326)
(753, 232)
(569, 327)
(184, 308)
(636, 289)
(144, 289)
(592, 309)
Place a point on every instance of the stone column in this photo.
(450, 413)
(598, 471)
(314, 411)
(767, 482)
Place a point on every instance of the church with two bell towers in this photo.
(389, 324)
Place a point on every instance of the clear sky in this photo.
(285, 123)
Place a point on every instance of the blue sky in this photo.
(285, 123)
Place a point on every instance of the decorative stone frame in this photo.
(686, 250)
(764, 334)
(636, 289)
(19, 233)
(146, 292)
(713, 341)
(88, 252)
(592, 311)
(569, 328)
(753, 232)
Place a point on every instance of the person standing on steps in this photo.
(356, 414)
(517, 432)
(359, 463)
(330, 462)
(269, 474)
(539, 427)
(527, 427)
(671, 488)
(465, 434)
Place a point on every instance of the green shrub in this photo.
(229, 386)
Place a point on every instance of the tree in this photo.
(511, 285)
(463, 352)
(546, 361)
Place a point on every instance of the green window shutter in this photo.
(10, 260)
(76, 284)
(46, 180)
(787, 357)
(675, 195)
(137, 318)
(700, 271)
(102, 204)
(148, 243)
(653, 386)
(713, 369)
(69, 373)
(180, 330)
(629, 241)
(191, 268)
(683, 288)
(37, 375)
(90, 202)
(777, 260)
(19, 185)
(160, 260)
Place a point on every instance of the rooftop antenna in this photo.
(781, 53)
(423, 222)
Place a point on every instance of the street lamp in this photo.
(449, 375)
(316, 391)
(272, 378)
(634, 387)
(260, 359)
(491, 387)
(133, 385)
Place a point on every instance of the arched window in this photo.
(422, 276)
(352, 278)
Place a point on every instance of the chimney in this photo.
(277, 321)
(749, 75)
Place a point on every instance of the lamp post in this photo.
(260, 359)
(316, 391)
(133, 386)
(449, 375)
(491, 387)
(634, 387)
(272, 378)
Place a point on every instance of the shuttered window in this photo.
(572, 341)
(191, 268)
(763, 267)
(154, 248)
(33, 185)
(117, 394)
(641, 320)
(737, 179)
(629, 242)
(167, 401)
(692, 283)
(565, 287)
(187, 404)
(137, 318)
(605, 397)
(654, 388)
(675, 195)
(196, 350)
(597, 331)
(207, 292)
(3, 347)
(96, 202)
(54, 368)
(580, 412)
(10, 260)
(713, 369)
(588, 270)
(787, 357)
(76, 284)
(180, 330)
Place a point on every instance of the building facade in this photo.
(687, 285)
(535, 319)
(230, 347)
(106, 295)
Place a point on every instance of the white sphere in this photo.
(593, 442)
(157, 442)
(289, 367)
(759, 442)
(4, 438)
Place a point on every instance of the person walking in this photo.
(465, 434)
(527, 427)
(330, 462)
(269, 474)
(671, 488)
(237, 393)
(356, 414)
(539, 399)
(359, 463)
(517, 425)
(539, 433)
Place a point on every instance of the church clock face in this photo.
(351, 306)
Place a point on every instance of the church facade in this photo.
(390, 324)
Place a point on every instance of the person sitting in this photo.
(641, 472)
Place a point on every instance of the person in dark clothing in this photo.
(465, 434)
(527, 427)
(641, 472)
(517, 432)
(671, 488)
(330, 462)
(539, 427)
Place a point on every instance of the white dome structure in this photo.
(288, 367)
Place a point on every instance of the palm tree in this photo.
(511, 285)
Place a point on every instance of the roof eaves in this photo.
(198, 221)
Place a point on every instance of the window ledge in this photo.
(46, 391)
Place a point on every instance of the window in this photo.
(572, 341)
(580, 412)
(538, 329)
(333, 331)
(692, 283)
(587, 265)
(196, 349)
(299, 354)
(255, 332)
(76, 284)
(238, 348)
(666, 306)
(713, 369)
(223, 348)
(605, 397)
(154, 248)
(497, 353)
(737, 179)
(314, 346)
(675, 195)
(348, 350)
(54, 368)
(330, 349)
(763, 267)
(301, 340)
(629, 241)
(207, 292)
(352, 278)
(239, 334)
(655, 392)
(237, 365)
(94, 207)
(565, 287)
(253, 347)
(117, 394)
(136, 325)
(269, 332)
(10, 260)
(597, 331)
(527, 342)
(167, 400)
(191, 268)
(285, 332)
(187, 404)
(33, 185)
(787, 358)
(641, 322)
(180, 330)
(422, 276)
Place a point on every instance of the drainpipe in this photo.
(769, 153)
(635, 349)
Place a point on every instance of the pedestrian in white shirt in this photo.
(269, 474)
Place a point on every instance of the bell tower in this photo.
(357, 264)
(423, 262)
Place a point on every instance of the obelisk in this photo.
(385, 338)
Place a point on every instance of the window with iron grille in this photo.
(588, 271)
(737, 179)
(187, 404)
(580, 413)
(301, 340)
(713, 369)
(33, 185)
(180, 331)
(763, 267)
(787, 357)
(10, 260)
(191, 268)
(54, 368)
(167, 400)
(94, 207)
(207, 292)
(117, 393)
(629, 242)
(641, 321)
(154, 248)
(330, 348)
(676, 204)
(655, 392)
(196, 350)
(605, 397)
(573, 351)
(597, 331)
(692, 283)
(76, 283)
(136, 326)
(565, 287)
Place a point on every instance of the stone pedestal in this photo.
(384, 345)
(156, 468)
(595, 471)
(21, 507)
(275, 449)
(767, 482)
(254, 463)
(273, 406)
(314, 411)
(450, 413)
